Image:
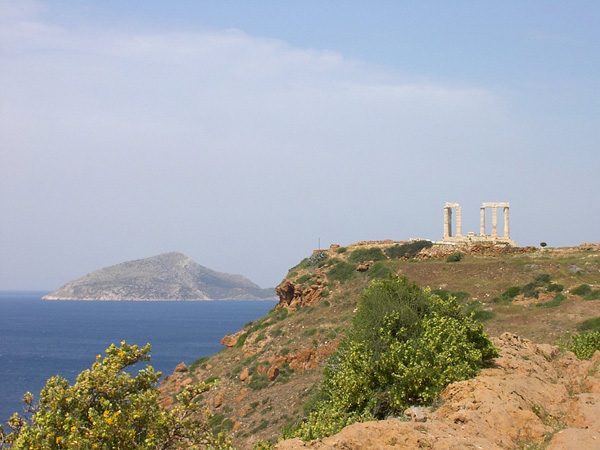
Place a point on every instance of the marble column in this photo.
(482, 221)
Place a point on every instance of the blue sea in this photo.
(41, 338)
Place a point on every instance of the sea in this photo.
(42, 338)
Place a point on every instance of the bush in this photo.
(512, 292)
(258, 382)
(594, 295)
(405, 345)
(408, 250)
(582, 290)
(542, 279)
(592, 324)
(366, 254)
(556, 301)
(107, 407)
(379, 270)
(553, 287)
(454, 257)
(304, 278)
(317, 258)
(342, 271)
(584, 345)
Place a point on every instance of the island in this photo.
(168, 276)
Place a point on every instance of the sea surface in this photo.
(41, 338)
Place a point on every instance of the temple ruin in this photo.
(482, 236)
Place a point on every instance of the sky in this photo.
(246, 134)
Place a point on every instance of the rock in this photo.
(417, 413)
(272, 373)
(294, 295)
(181, 367)
(230, 340)
(218, 400)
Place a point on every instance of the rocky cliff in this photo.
(168, 276)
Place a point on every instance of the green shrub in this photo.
(556, 301)
(542, 279)
(379, 270)
(553, 287)
(366, 254)
(512, 292)
(304, 278)
(278, 314)
(317, 258)
(454, 257)
(258, 382)
(405, 345)
(241, 340)
(108, 407)
(408, 250)
(592, 324)
(342, 271)
(582, 290)
(594, 295)
(584, 345)
(531, 290)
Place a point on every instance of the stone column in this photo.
(445, 222)
(458, 221)
(482, 221)
(494, 221)
(506, 230)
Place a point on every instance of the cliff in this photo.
(168, 276)
(271, 367)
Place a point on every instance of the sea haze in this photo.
(40, 338)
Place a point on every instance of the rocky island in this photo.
(168, 276)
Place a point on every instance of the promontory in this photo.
(168, 276)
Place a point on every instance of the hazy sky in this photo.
(242, 133)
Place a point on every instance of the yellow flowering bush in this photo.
(406, 344)
(108, 408)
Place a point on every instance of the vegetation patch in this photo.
(342, 271)
(366, 254)
(199, 362)
(454, 257)
(408, 250)
(379, 270)
(584, 345)
(592, 324)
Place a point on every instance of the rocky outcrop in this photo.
(533, 396)
(293, 295)
(229, 340)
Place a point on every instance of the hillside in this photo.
(269, 369)
(168, 276)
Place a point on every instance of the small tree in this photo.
(108, 408)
